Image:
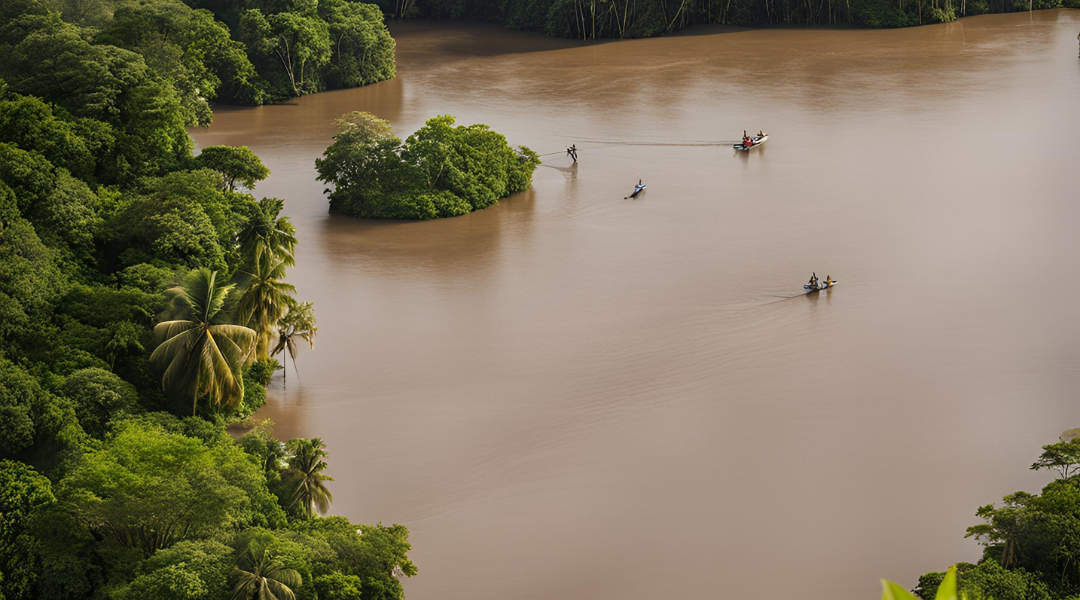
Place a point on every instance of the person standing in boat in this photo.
(813, 280)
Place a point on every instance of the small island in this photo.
(441, 170)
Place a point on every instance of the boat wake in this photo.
(804, 292)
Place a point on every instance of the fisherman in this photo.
(828, 281)
(813, 280)
(571, 153)
(760, 134)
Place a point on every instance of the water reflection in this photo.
(467, 247)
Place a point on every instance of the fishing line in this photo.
(609, 143)
(617, 143)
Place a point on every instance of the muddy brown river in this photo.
(577, 396)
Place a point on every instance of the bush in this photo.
(262, 370)
(439, 171)
(196, 570)
(98, 396)
(989, 579)
(337, 586)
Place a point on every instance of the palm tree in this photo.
(264, 300)
(262, 576)
(305, 474)
(200, 352)
(266, 234)
(299, 322)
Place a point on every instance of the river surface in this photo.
(577, 396)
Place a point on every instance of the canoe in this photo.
(637, 190)
(819, 287)
(754, 143)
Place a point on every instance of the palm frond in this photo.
(280, 588)
(170, 329)
(224, 384)
(200, 353)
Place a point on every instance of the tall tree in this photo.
(363, 51)
(300, 44)
(235, 163)
(264, 300)
(266, 234)
(22, 492)
(1063, 457)
(305, 475)
(200, 352)
(298, 323)
(146, 488)
(261, 575)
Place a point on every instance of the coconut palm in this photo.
(264, 299)
(298, 323)
(200, 353)
(305, 475)
(260, 575)
(268, 235)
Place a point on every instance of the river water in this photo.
(572, 395)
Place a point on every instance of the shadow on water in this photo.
(473, 39)
(465, 246)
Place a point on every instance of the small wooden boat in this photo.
(754, 143)
(821, 285)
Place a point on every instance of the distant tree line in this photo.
(595, 19)
(237, 52)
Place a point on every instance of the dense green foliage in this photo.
(587, 20)
(137, 283)
(439, 171)
(301, 47)
(139, 61)
(1032, 550)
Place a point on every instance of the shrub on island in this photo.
(441, 170)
